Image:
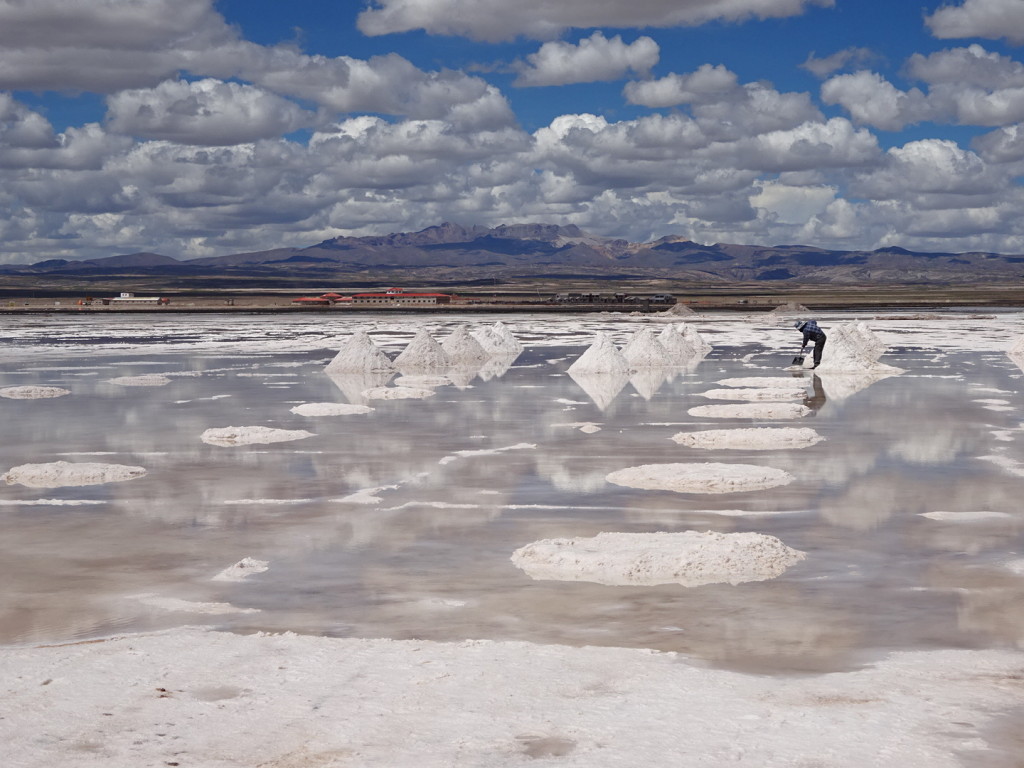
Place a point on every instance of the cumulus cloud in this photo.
(595, 59)
(873, 100)
(496, 20)
(928, 171)
(707, 83)
(990, 19)
(205, 112)
(827, 65)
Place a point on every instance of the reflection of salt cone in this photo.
(647, 382)
(495, 368)
(352, 385)
(602, 388)
(462, 376)
(839, 386)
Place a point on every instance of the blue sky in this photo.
(198, 127)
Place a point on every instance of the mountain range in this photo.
(520, 251)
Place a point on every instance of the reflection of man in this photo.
(816, 400)
(811, 332)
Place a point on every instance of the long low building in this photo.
(397, 297)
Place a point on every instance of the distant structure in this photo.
(130, 299)
(398, 297)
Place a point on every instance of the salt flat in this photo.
(349, 598)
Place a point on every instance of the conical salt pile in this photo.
(422, 354)
(846, 351)
(487, 339)
(509, 343)
(358, 354)
(1017, 348)
(873, 345)
(695, 339)
(645, 351)
(601, 357)
(679, 351)
(463, 350)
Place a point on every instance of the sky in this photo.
(203, 127)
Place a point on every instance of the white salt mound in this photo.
(507, 341)
(678, 350)
(679, 309)
(358, 354)
(245, 567)
(33, 392)
(700, 478)
(768, 394)
(751, 411)
(601, 357)
(689, 558)
(146, 380)
(756, 439)
(397, 393)
(232, 436)
(59, 474)
(643, 350)
(330, 409)
(853, 349)
(422, 354)
(464, 350)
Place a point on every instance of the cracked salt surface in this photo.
(33, 393)
(707, 477)
(756, 439)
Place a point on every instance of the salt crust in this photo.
(60, 474)
(358, 354)
(700, 478)
(751, 411)
(33, 392)
(229, 703)
(232, 436)
(178, 605)
(330, 409)
(763, 382)
(966, 517)
(422, 354)
(486, 452)
(768, 394)
(397, 393)
(756, 439)
(688, 558)
(245, 567)
(146, 380)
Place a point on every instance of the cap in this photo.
(799, 323)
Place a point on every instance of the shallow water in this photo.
(473, 473)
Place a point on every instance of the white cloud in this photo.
(824, 67)
(706, 83)
(496, 20)
(1004, 145)
(205, 112)
(790, 204)
(872, 100)
(931, 172)
(595, 59)
(991, 19)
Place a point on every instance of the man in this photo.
(812, 332)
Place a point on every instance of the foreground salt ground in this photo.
(886, 713)
(190, 697)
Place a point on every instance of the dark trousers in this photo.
(819, 344)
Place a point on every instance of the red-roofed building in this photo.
(398, 297)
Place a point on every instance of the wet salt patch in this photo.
(232, 436)
(763, 382)
(589, 428)
(176, 605)
(1015, 566)
(1003, 435)
(422, 381)
(995, 405)
(486, 452)
(751, 411)
(201, 399)
(748, 512)
(566, 401)
(966, 517)
(367, 496)
(146, 380)
(1005, 462)
(265, 375)
(60, 474)
(49, 502)
(688, 558)
(33, 393)
(241, 570)
(700, 478)
(440, 603)
(397, 393)
(432, 505)
(330, 409)
(758, 439)
(268, 502)
(768, 394)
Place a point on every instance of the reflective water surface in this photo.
(400, 523)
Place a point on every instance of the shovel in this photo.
(799, 359)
